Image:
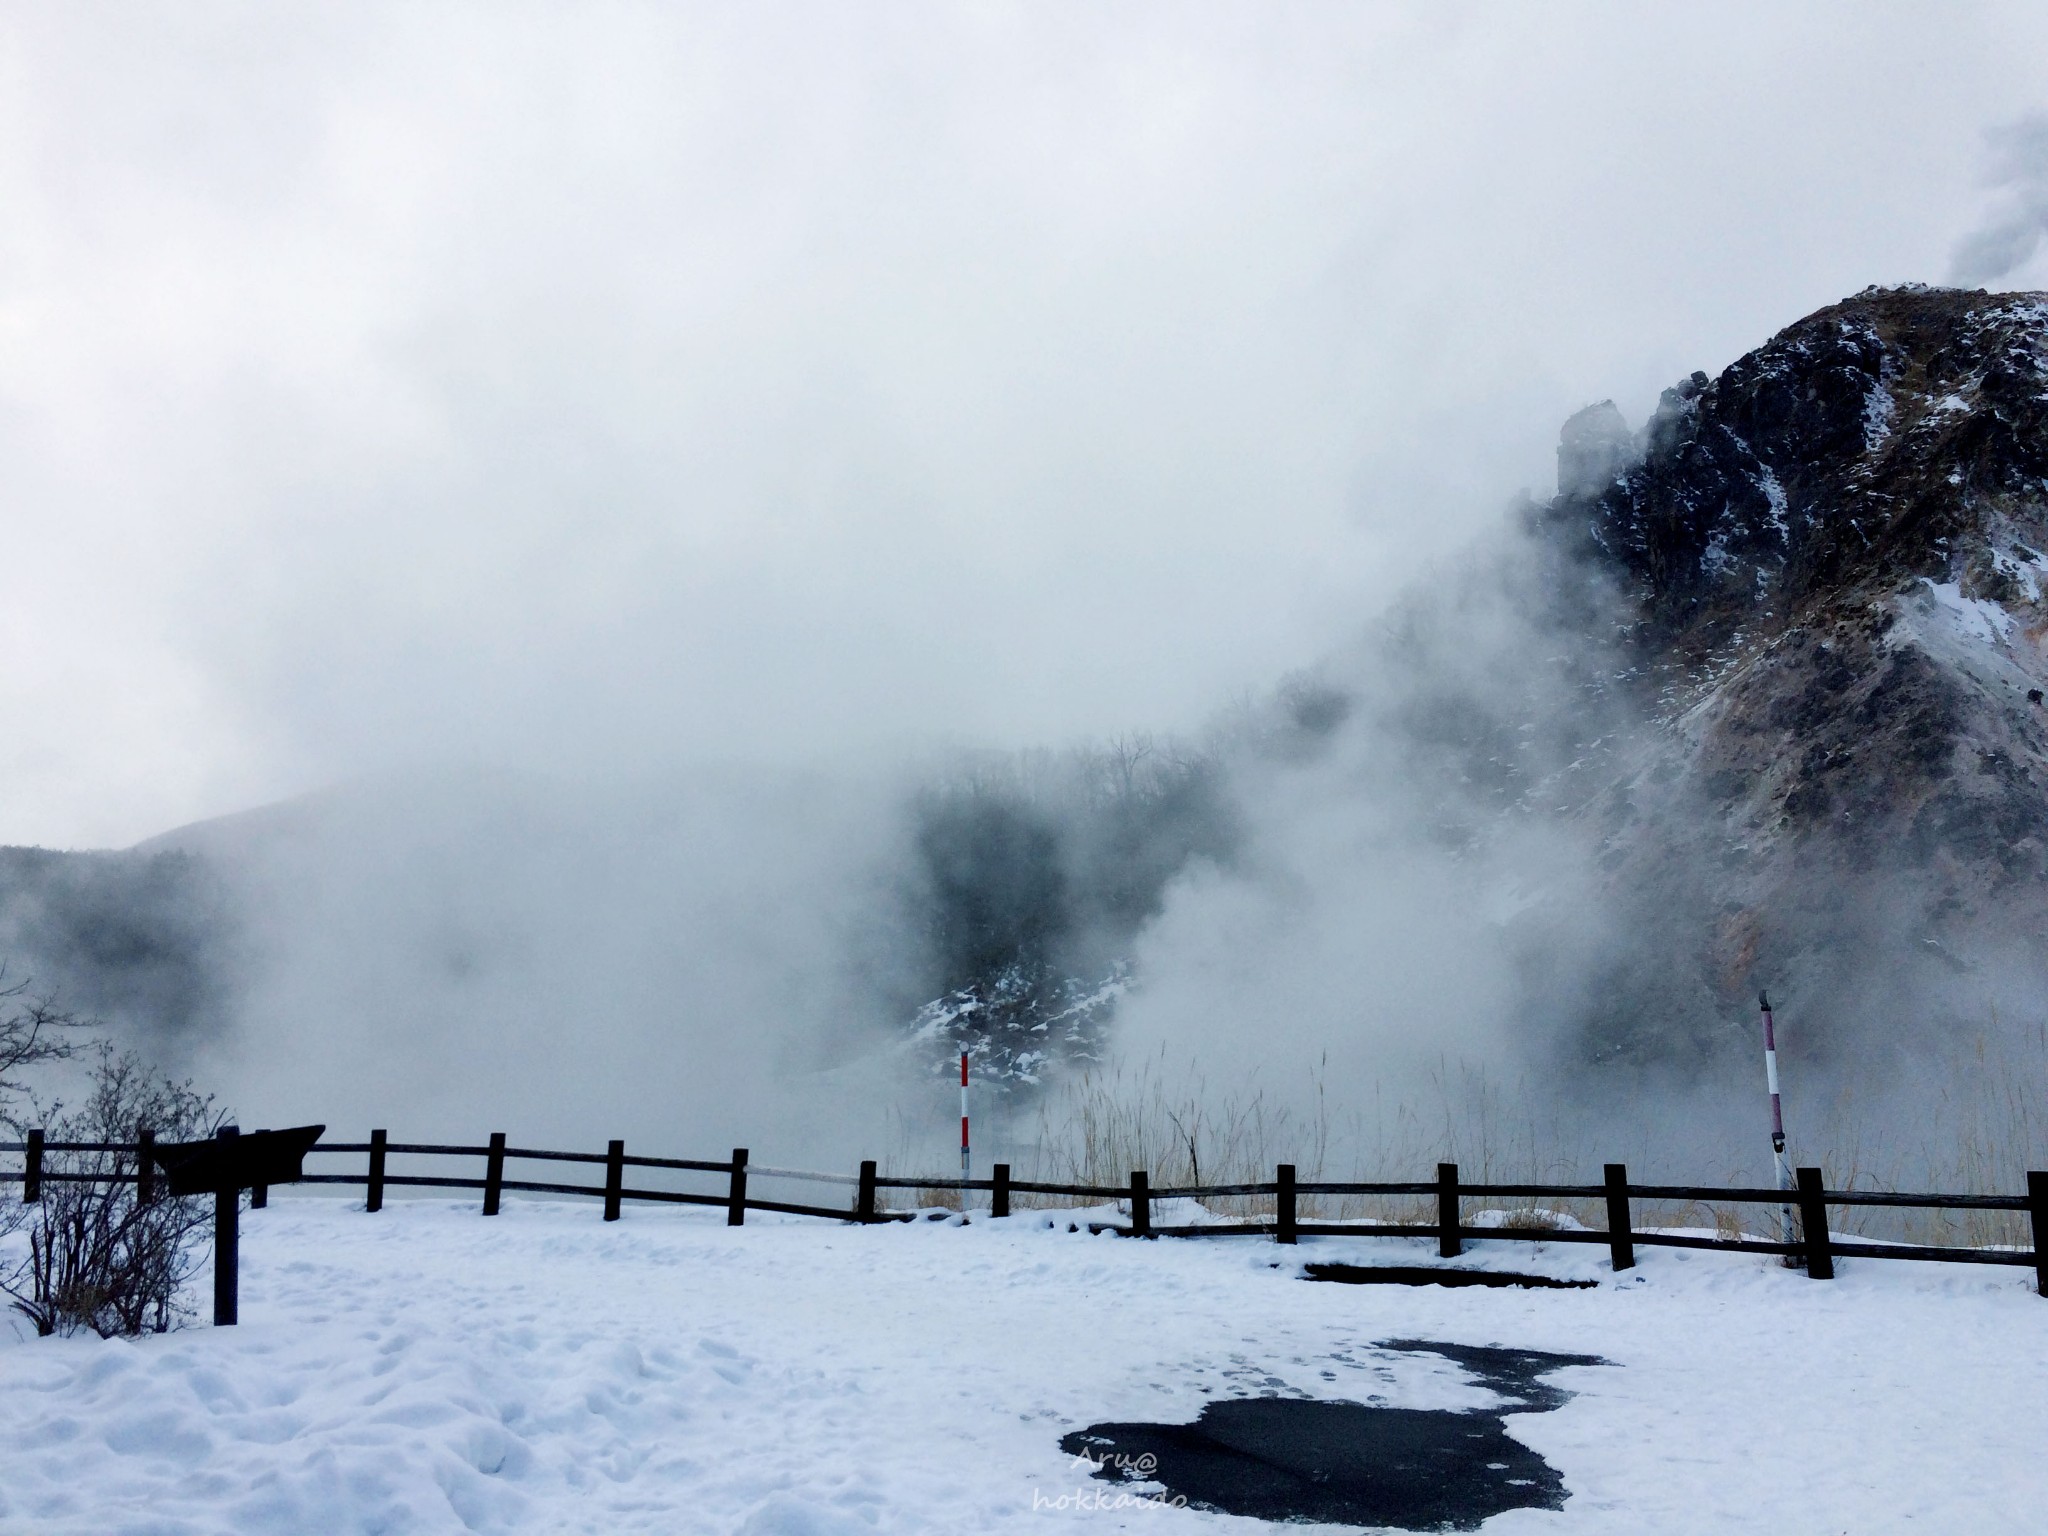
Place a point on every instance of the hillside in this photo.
(1827, 571)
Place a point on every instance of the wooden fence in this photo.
(1813, 1244)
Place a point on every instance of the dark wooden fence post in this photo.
(373, 1197)
(227, 1205)
(1283, 1205)
(2037, 1203)
(736, 1201)
(1141, 1204)
(1449, 1242)
(865, 1208)
(494, 1174)
(999, 1197)
(145, 1166)
(614, 1178)
(1813, 1226)
(1621, 1239)
(259, 1196)
(32, 1169)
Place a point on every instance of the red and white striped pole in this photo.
(963, 1130)
(1777, 1116)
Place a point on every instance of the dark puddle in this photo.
(1282, 1458)
(1416, 1274)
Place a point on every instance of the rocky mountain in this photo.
(1826, 574)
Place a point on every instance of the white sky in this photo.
(605, 387)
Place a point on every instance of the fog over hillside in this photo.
(667, 578)
(1754, 700)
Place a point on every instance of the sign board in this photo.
(229, 1163)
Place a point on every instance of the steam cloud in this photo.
(539, 448)
(2011, 236)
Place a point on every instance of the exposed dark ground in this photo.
(1340, 1463)
(1413, 1274)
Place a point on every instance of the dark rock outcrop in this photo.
(1831, 563)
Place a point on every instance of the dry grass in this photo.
(1097, 1128)
(1985, 1125)
(1970, 1121)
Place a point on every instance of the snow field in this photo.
(426, 1370)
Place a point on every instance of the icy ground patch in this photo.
(426, 1370)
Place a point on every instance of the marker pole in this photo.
(1784, 1168)
(963, 1131)
(227, 1236)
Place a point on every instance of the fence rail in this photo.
(1810, 1243)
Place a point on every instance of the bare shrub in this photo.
(98, 1258)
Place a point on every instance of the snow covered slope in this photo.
(424, 1370)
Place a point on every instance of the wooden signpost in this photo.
(223, 1168)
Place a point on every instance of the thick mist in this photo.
(691, 963)
(2007, 243)
(390, 390)
(1383, 913)
(739, 544)
(1488, 902)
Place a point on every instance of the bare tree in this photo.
(33, 1030)
(100, 1257)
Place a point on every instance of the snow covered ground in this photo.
(426, 1370)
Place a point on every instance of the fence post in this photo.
(1449, 1242)
(373, 1197)
(32, 1169)
(145, 1165)
(999, 1197)
(865, 1209)
(614, 1178)
(2037, 1207)
(259, 1196)
(227, 1206)
(1813, 1226)
(1621, 1240)
(494, 1174)
(1141, 1204)
(1283, 1205)
(736, 1201)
